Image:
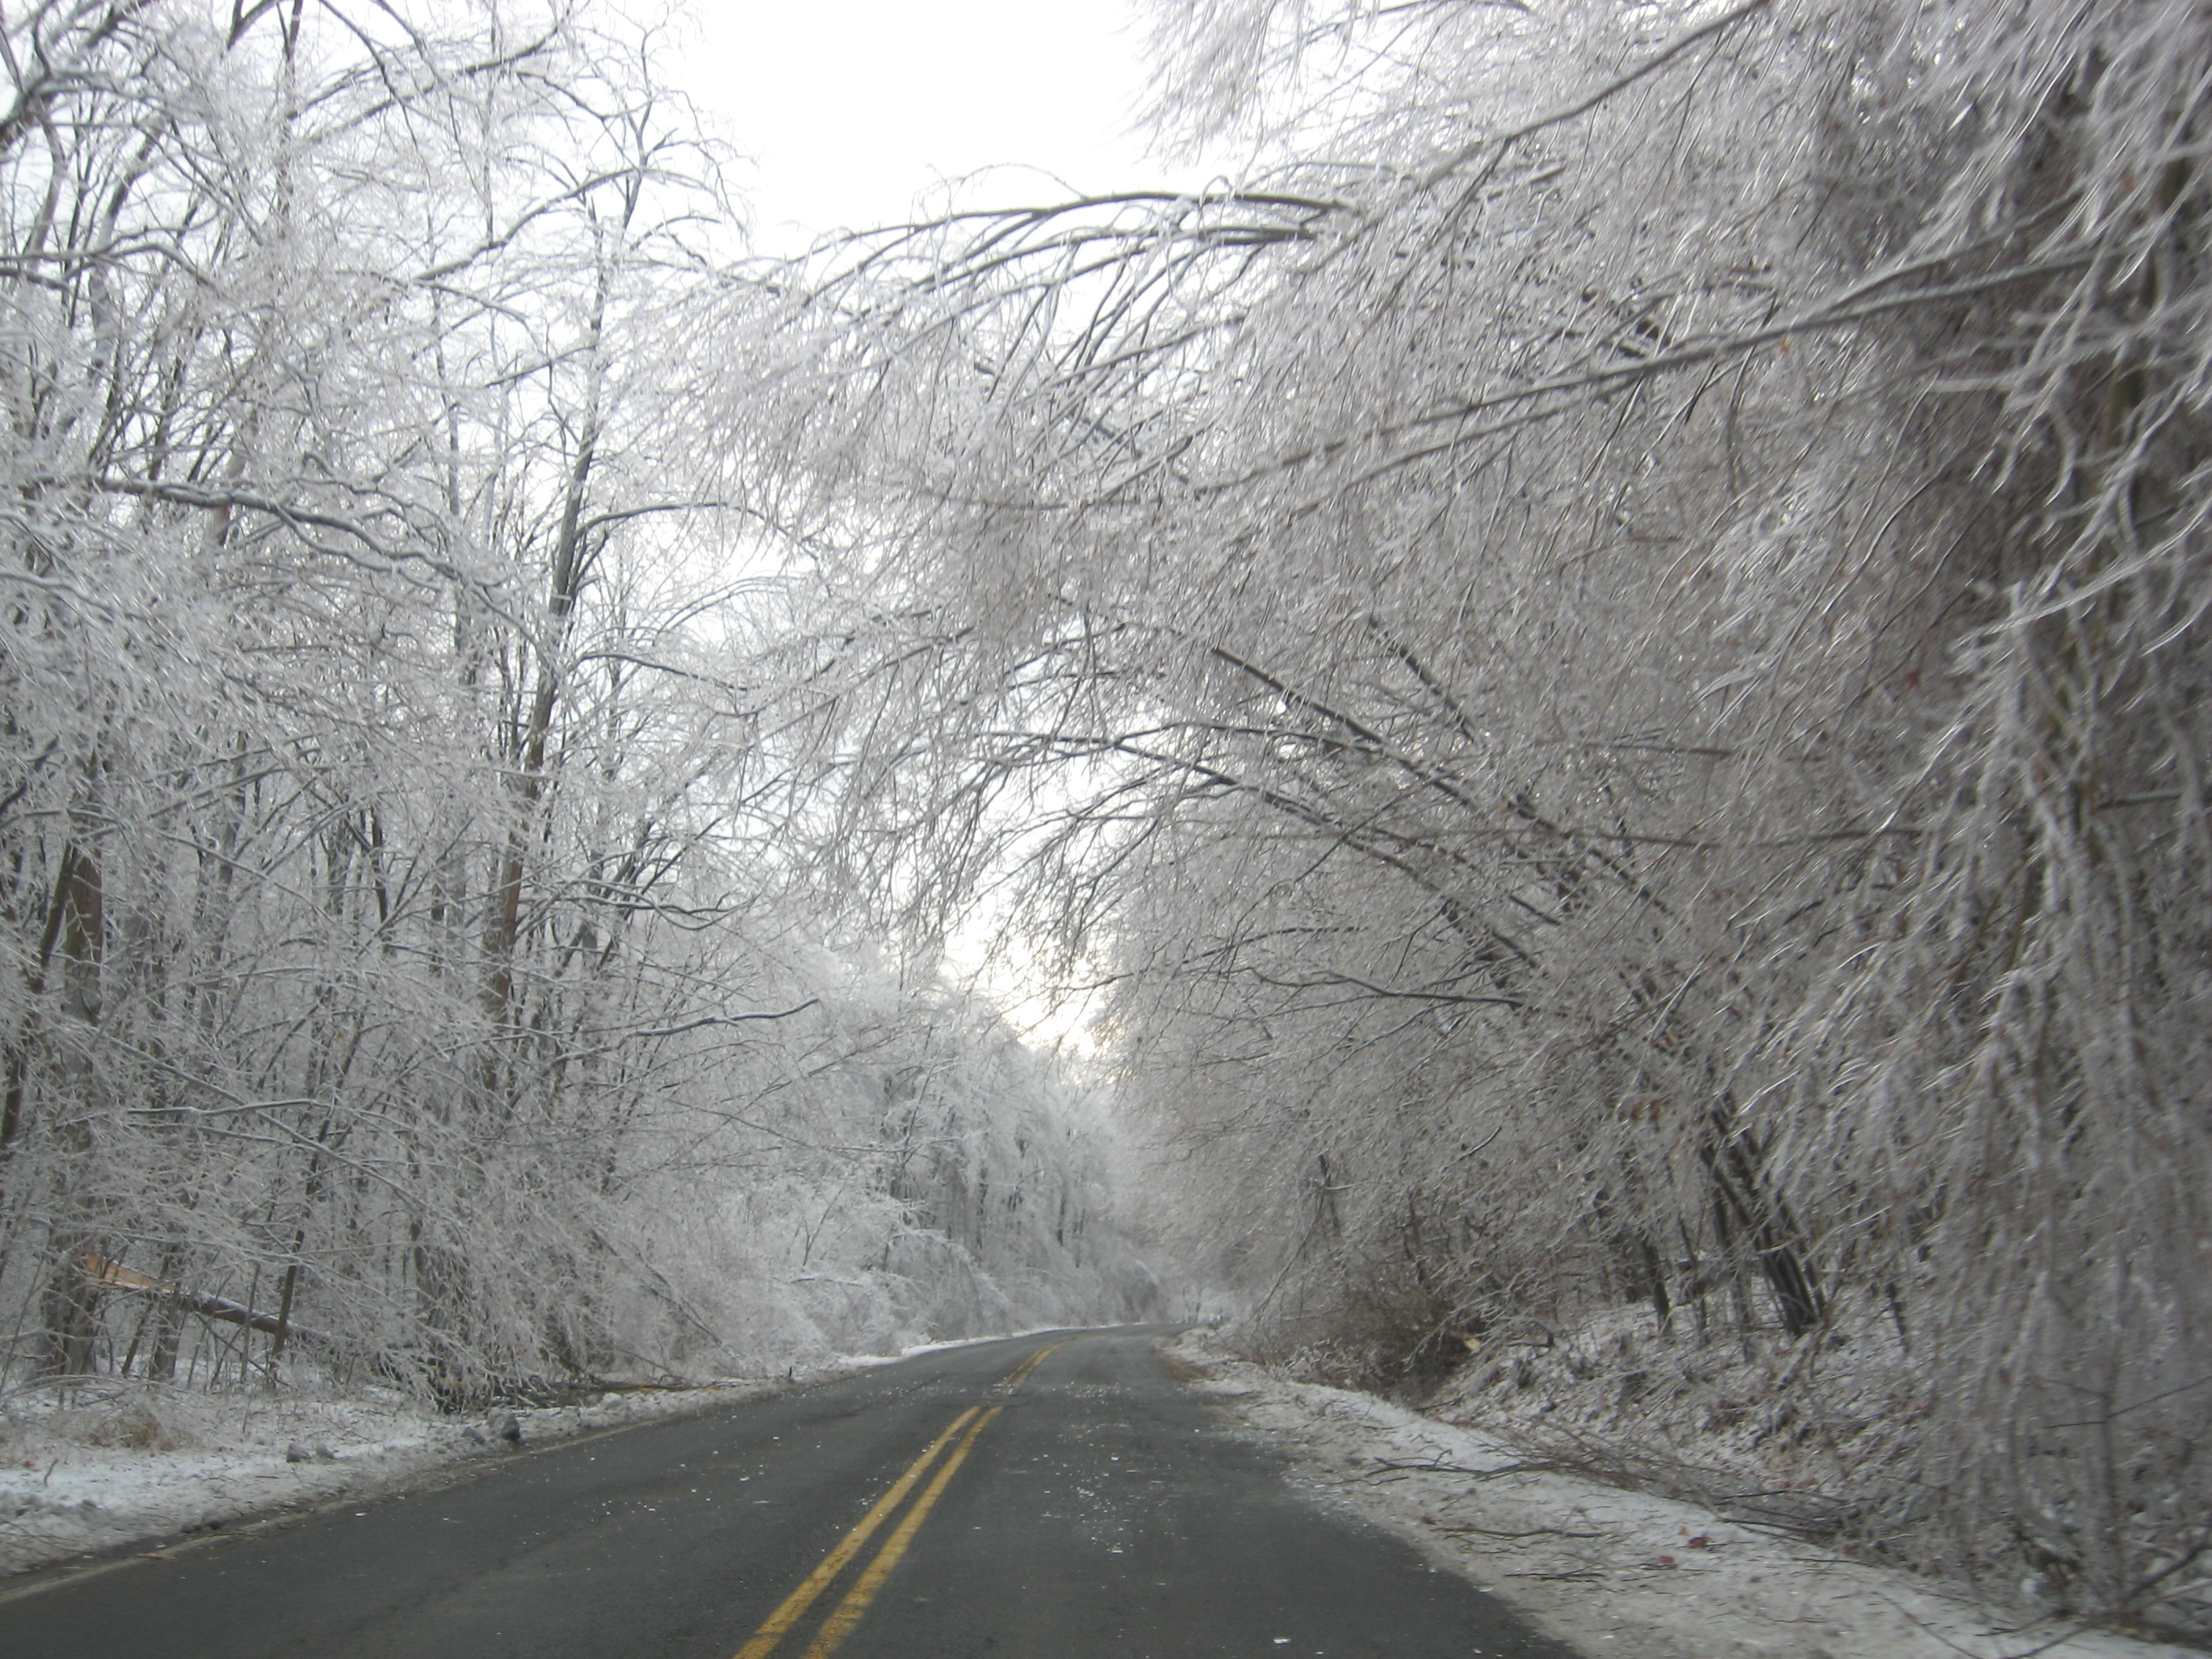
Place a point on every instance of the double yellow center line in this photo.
(1020, 1374)
(839, 1624)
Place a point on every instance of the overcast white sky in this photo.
(850, 109)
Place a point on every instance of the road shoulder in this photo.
(115, 1466)
(119, 1471)
(1619, 1574)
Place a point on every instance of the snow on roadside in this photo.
(112, 1463)
(116, 1463)
(1615, 1574)
(868, 1361)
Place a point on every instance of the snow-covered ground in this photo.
(1611, 1572)
(110, 1462)
(862, 1361)
(1614, 1573)
(113, 1463)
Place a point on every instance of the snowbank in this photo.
(112, 1463)
(1615, 1573)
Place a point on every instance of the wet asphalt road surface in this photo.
(1073, 1505)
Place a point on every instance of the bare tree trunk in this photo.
(70, 1305)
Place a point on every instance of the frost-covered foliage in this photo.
(1792, 1436)
(404, 967)
(1608, 655)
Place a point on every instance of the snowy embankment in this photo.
(1615, 1573)
(114, 1463)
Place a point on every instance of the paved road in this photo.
(1049, 1497)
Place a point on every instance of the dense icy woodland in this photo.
(1598, 665)
(1605, 659)
(418, 968)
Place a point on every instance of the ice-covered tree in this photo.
(1608, 648)
(400, 905)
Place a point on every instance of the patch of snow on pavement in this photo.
(869, 1361)
(1614, 1573)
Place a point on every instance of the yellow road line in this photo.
(794, 1605)
(839, 1624)
(848, 1613)
(1020, 1374)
